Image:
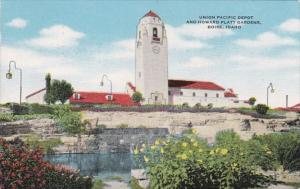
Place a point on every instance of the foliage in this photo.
(198, 106)
(35, 142)
(18, 109)
(185, 105)
(252, 101)
(210, 106)
(284, 146)
(261, 109)
(36, 108)
(71, 123)
(122, 126)
(98, 184)
(22, 168)
(188, 162)
(137, 97)
(6, 117)
(48, 98)
(135, 184)
(61, 90)
(10, 117)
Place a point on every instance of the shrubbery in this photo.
(261, 109)
(22, 168)
(188, 162)
(35, 142)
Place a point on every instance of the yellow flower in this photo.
(211, 152)
(162, 150)
(217, 150)
(142, 150)
(200, 161)
(146, 159)
(144, 145)
(241, 154)
(192, 140)
(224, 151)
(234, 165)
(200, 150)
(153, 147)
(135, 151)
(194, 131)
(269, 152)
(195, 144)
(184, 157)
(157, 142)
(190, 151)
(184, 144)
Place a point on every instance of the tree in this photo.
(61, 90)
(48, 98)
(137, 97)
(252, 101)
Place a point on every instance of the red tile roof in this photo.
(34, 93)
(295, 108)
(152, 14)
(100, 98)
(206, 85)
(229, 94)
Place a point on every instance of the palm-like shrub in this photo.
(261, 109)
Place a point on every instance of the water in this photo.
(98, 165)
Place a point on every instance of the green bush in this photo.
(48, 145)
(210, 105)
(261, 109)
(122, 126)
(6, 117)
(252, 101)
(198, 106)
(36, 108)
(137, 97)
(134, 184)
(284, 146)
(18, 109)
(185, 105)
(98, 184)
(187, 162)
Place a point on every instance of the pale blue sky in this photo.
(80, 40)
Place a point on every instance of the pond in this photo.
(98, 165)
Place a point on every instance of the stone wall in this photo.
(8, 129)
(122, 139)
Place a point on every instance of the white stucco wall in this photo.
(187, 97)
(37, 98)
(151, 66)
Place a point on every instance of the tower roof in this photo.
(152, 14)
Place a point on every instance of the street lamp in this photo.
(272, 91)
(9, 76)
(102, 82)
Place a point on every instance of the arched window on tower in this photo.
(154, 32)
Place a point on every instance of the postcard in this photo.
(149, 94)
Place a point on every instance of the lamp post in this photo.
(272, 91)
(9, 75)
(102, 82)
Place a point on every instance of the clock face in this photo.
(156, 49)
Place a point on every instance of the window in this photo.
(156, 98)
(205, 95)
(181, 93)
(194, 94)
(140, 74)
(217, 95)
(169, 93)
(154, 32)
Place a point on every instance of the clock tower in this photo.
(151, 59)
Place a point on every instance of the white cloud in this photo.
(117, 50)
(260, 62)
(38, 62)
(267, 40)
(56, 36)
(198, 62)
(291, 25)
(17, 23)
(186, 36)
